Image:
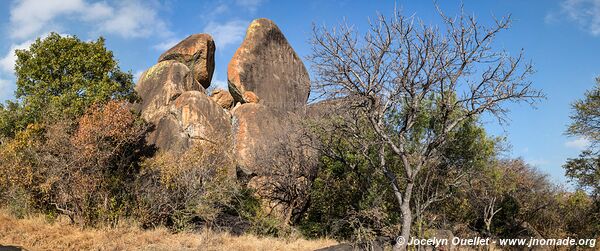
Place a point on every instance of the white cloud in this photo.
(29, 17)
(251, 5)
(228, 33)
(586, 13)
(537, 161)
(167, 44)
(579, 143)
(7, 63)
(133, 18)
(97, 11)
(220, 9)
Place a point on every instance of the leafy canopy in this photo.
(61, 77)
(586, 115)
(585, 170)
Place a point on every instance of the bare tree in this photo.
(402, 69)
(288, 169)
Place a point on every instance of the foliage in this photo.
(585, 169)
(82, 169)
(586, 115)
(287, 170)
(351, 198)
(583, 213)
(62, 76)
(178, 190)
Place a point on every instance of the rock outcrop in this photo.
(193, 117)
(160, 85)
(197, 52)
(260, 115)
(174, 101)
(223, 98)
(258, 122)
(267, 65)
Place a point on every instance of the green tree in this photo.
(10, 114)
(351, 198)
(61, 77)
(586, 115)
(585, 169)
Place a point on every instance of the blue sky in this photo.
(560, 37)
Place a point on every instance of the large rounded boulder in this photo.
(267, 65)
(198, 53)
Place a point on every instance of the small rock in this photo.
(223, 98)
(250, 97)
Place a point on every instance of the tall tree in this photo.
(402, 73)
(585, 169)
(63, 76)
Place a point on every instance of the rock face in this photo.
(197, 52)
(267, 65)
(193, 117)
(175, 103)
(160, 85)
(255, 128)
(223, 98)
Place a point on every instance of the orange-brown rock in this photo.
(250, 97)
(160, 85)
(267, 65)
(255, 131)
(198, 53)
(192, 118)
(223, 98)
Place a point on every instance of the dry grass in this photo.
(35, 233)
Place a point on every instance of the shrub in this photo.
(83, 169)
(178, 190)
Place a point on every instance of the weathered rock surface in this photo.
(198, 53)
(250, 97)
(193, 117)
(160, 85)
(267, 65)
(223, 98)
(256, 128)
(175, 103)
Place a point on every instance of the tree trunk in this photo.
(406, 219)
